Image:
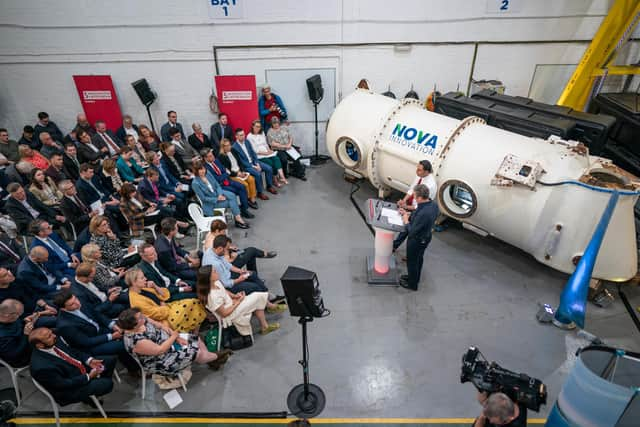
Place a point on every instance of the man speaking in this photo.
(418, 227)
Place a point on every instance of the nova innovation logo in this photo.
(413, 138)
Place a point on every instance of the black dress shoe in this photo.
(404, 277)
(271, 254)
(247, 214)
(243, 225)
(405, 284)
(253, 205)
(278, 299)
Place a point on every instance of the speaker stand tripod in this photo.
(306, 400)
(317, 159)
(153, 128)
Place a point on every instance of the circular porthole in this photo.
(349, 153)
(457, 199)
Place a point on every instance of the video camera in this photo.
(491, 378)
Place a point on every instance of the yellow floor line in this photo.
(195, 420)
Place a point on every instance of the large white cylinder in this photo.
(543, 196)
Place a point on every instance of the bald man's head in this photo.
(10, 310)
(39, 254)
(42, 338)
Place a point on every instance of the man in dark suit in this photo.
(179, 289)
(45, 125)
(172, 257)
(11, 288)
(127, 125)
(91, 190)
(168, 204)
(14, 346)
(11, 253)
(61, 257)
(249, 163)
(18, 172)
(83, 123)
(50, 146)
(69, 375)
(23, 208)
(73, 208)
(70, 162)
(220, 130)
(167, 183)
(172, 123)
(90, 331)
(219, 172)
(418, 226)
(28, 139)
(56, 169)
(33, 273)
(99, 301)
(105, 140)
(88, 152)
(198, 139)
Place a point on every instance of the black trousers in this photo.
(248, 258)
(96, 387)
(115, 348)
(399, 239)
(415, 258)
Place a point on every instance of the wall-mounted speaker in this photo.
(146, 95)
(314, 86)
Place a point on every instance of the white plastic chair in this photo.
(151, 228)
(216, 211)
(203, 223)
(14, 377)
(54, 404)
(143, 376)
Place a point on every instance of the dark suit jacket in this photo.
(244, 162)
(165, 254)
(164, 132)
(21, 215)
(121, 133)
(12, 175)
(197, 145)
(79, 333)
(6, 259)
(14, 346)
(69, 167)
(56, 175)
(90, 302)
(87, 155)
(51, 128)
(55, 263)
(224, 176)
(151, 274)
(224, 161)
(166, 185)
(84, 237)
(99, 142)
(56, 375)
(216, 134)
(36, 281)
(75, 214)
(88, 195)
(145, 189)
(171, 168)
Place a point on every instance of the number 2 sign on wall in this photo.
(225, 9)
(503, 6)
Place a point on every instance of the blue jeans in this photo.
(257, 175)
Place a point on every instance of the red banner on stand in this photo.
(99, 100)
(237, 98)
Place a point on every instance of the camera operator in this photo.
(500, 410)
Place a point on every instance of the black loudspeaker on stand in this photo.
(316, 93)
(301, 288)
(146, 95)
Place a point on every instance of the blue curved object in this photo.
(573, 300)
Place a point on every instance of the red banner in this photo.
(99, 100)
(237, 98)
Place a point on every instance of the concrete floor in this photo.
(384, 352)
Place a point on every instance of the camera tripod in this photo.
(306, 400)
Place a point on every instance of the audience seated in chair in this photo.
(178, 288)
(212, 196)
(113, 255)
(61, 257)
(10, 288)
(69, 375)
(152, 193)
(11, 252)
(249, 162)
(127, 166)
(56, 170)
(219, 131)
(174, 164)
(90, 331)
(106, 141)
(70, 162)
(167, 183)
(105, 278)
(128, 128)
(138, 151)
(36, 159)
(219, 172)
(172, 123)
(110, 177)
(235, 308)
(73, 208)
(87, 151)
(232, 166)
(161, 349)
(91, 296)
(14, 345)
(46, 125)
(44, 189)
(198, 139)
(171, 256)
(184, 315)
(23, 207)
(34, 274)
(258, 141)
(50, 146)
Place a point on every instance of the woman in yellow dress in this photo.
(184, 315)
